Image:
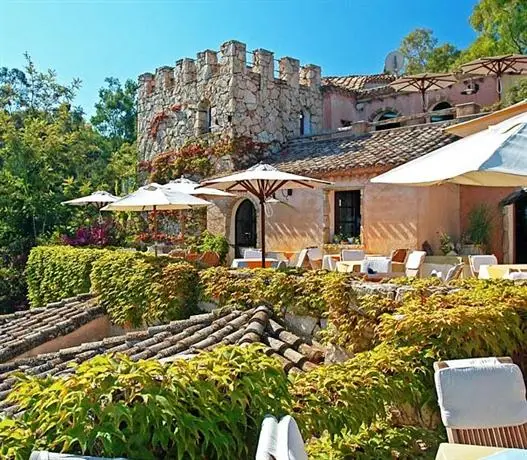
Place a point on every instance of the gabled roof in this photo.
(326, 156)
(24, 330)
(177, 339)
(359, 82)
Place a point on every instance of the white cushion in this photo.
(351, 255)
(252, 254)
(290, 445)
(477, 261)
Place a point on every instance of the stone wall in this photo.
(218, 92)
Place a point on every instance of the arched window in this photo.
(384, 116)
(204, 118)
(305, 123)
(441, 106)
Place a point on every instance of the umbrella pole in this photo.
(262, 228)
(155, 230)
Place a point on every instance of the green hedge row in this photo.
(57, 272)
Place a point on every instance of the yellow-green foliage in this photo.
(136, 289)
(358, 391)
(56, 272)
(379, 441)
(208, 407)
(301, 292)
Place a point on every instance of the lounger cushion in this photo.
(488, 395)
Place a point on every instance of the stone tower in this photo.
(220, 93)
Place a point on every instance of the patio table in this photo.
(253, 263)
(500, 271)
(451, 451)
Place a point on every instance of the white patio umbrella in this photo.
(263, 180)
(153, 197)
(99, 199)
(190, 187)
(495, 157)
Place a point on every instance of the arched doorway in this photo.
(441, 106)
(244, 227)
(384, 116)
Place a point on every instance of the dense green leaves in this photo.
(56, 272)
(207, 407)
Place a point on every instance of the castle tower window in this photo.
(204, 118)
(305, 123)
(441, 117)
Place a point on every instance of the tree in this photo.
(516, 93)
(422, 53)
(115, 112)
(502, 22)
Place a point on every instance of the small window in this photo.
(205, 118)
(441, 106)
(347, 213)
(388, 115)
(345, 123)
(305, 123)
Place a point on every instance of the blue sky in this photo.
(93, 39)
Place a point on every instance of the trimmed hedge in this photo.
(137, 289)
(208, 407)
(57, 272)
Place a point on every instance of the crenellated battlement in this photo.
(231, 59)
(230, 92)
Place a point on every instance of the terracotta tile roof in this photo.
(359, 82)
(333, 154)
(177, 339)
(25, 330)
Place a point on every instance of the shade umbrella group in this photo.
(262, 181)
(98, 199)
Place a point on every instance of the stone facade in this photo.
(219, 93)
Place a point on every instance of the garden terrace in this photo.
(47, 328)
(178, 339)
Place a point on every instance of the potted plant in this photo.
(446, 244)
(476, 239)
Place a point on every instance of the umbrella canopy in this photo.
(154, 197)
(495, 157)
(263, 181)
(192, 188)
(497, 66)
(99, 198)
(423, 82)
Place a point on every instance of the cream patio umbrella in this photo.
(495, 157)
(263, 180)
(423, 82)
(190, 187)
(99, 199)
(497, 66)
(153, 197)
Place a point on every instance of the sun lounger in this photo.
(476, 262)
(482, 402)
(280, 440)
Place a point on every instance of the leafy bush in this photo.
(300, 292)
(98, 234)
(380, 441)
(12, 289)
(214, 243)
(207, 407)
(136, 289)
(57, 272)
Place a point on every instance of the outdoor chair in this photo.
(352, 255)
(280, 440)
(315, 258)
(482, 402)
(414, 262)
(374, 265)
(477, 261)
(517, 276)
(399, 255)
(252, 254)
(454, 273)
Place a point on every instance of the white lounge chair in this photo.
(252, 254)
(376, 264)
(280, 440)
(476, 262)
(315, 257)
(482, 401)
(414, 262)
(352, 255)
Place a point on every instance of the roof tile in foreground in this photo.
(175, 340)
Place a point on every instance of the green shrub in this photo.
(214, 243)
(207, 407)
(380, 441)
(299, 292)
(13, 289)
(358, 391)
(56, 272)
(139, 289)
